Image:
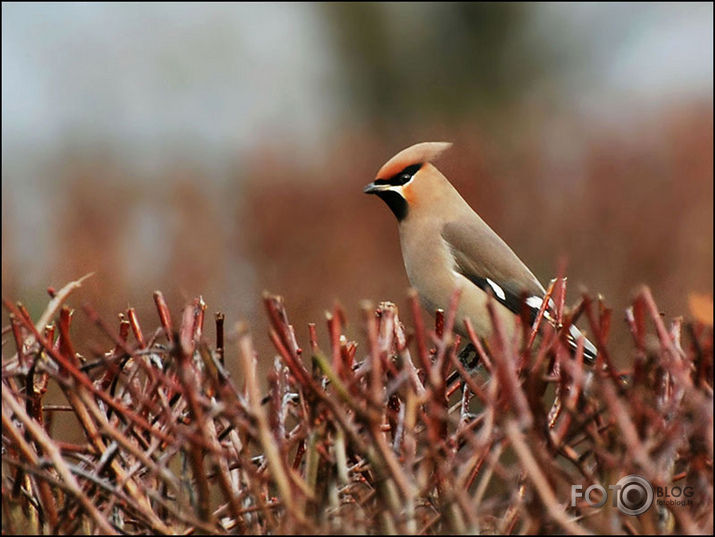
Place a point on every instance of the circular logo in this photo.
(634, 495)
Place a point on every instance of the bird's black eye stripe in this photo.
(400, 178)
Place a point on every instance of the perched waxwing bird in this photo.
(446, 245)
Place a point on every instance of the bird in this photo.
(446, 245)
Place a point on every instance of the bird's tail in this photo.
(589, 349)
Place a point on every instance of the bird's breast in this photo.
(433, 273)
(429, 263)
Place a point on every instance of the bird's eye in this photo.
(401, 178)
(406, 175)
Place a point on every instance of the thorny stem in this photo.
(360, 440)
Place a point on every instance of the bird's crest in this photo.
(416, 154)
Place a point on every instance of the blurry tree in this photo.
(443, 60)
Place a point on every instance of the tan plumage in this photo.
(445, 245)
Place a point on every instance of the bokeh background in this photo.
(221, 149)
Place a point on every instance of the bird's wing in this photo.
(482, 257)
(486, 260)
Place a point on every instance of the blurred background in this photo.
(221, 149)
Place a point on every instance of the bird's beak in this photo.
(372, 188)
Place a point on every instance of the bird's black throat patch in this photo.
(396, 203)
